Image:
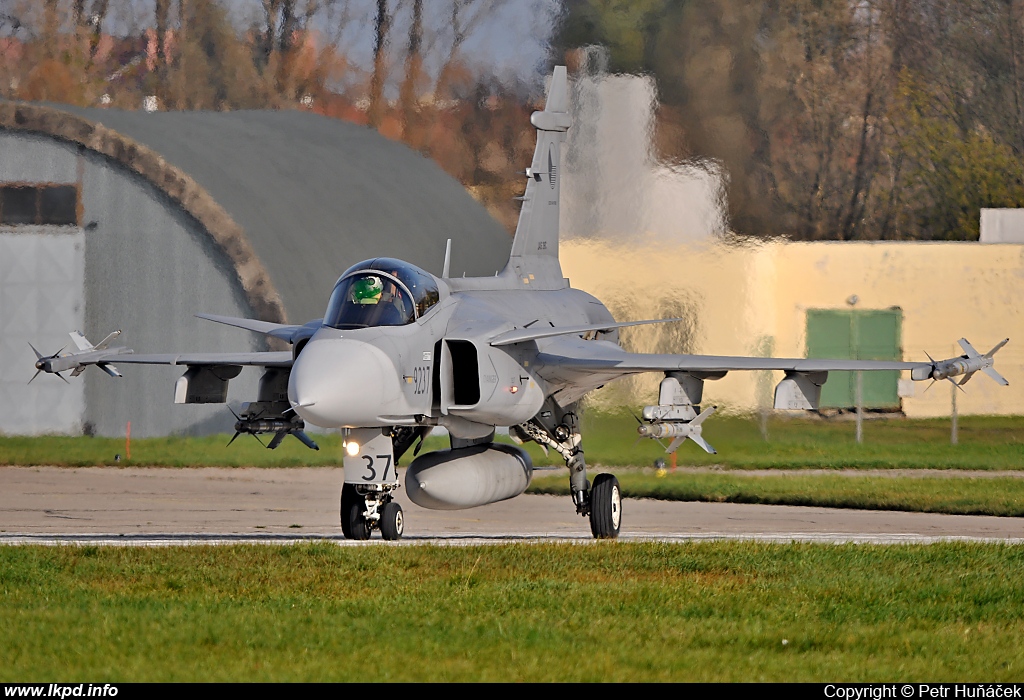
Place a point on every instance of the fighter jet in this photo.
(400, 352)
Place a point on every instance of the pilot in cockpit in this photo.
(385, 295)
(380, 292)
(367, 290)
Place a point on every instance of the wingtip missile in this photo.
(77, 360)
(967, 364)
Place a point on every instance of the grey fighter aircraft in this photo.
(401, 351)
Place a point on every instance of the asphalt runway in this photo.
(161, 506)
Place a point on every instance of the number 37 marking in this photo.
(373, 470)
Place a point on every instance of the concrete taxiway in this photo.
(157, 506)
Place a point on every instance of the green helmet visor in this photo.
(367, 290)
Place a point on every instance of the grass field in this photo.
(984, 443)
(962, 496)
(606, 611)
(609, 439)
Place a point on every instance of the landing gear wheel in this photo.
(353, 524)
(605, 507)
(392, 521)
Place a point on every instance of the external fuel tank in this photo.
(468, 477)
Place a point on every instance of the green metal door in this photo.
(856, 335)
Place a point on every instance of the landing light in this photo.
(352, 448)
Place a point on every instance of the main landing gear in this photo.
(368, 508)
(602, 502)
(605, 507)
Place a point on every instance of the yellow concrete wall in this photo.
(753, 300)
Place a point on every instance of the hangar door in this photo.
(856, 335)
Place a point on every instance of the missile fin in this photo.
(704, 444)
(109, 369)
(102, 345)
(994, 350)
(704, 415)
(968, 348)
(80, 341)
(276, 440)
(999, 379)
(674, 445)
(305, 439)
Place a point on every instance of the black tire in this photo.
(605, 507)
(392, 521)
(353, 525)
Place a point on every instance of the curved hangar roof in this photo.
(293, 198)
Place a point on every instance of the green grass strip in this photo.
(600, 612)
(985, 442)
(957, 495)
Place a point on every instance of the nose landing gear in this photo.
(368, 508)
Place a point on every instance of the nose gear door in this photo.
(369, 458)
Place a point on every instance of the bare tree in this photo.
(161, 14)
(94, 23)
(407, 97)
(873, 72)
(381, 30)
(51, 27)
(466, 16)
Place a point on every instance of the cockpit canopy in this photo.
(380, 292)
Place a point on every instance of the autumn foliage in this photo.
(830, 119)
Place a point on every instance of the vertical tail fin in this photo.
(534, 258)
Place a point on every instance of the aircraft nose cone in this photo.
(336, 382)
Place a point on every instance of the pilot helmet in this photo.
(367, 290)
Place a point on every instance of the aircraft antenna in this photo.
(447, 259)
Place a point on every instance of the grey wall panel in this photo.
(148, 270)
(30, 158)
(41, 299)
